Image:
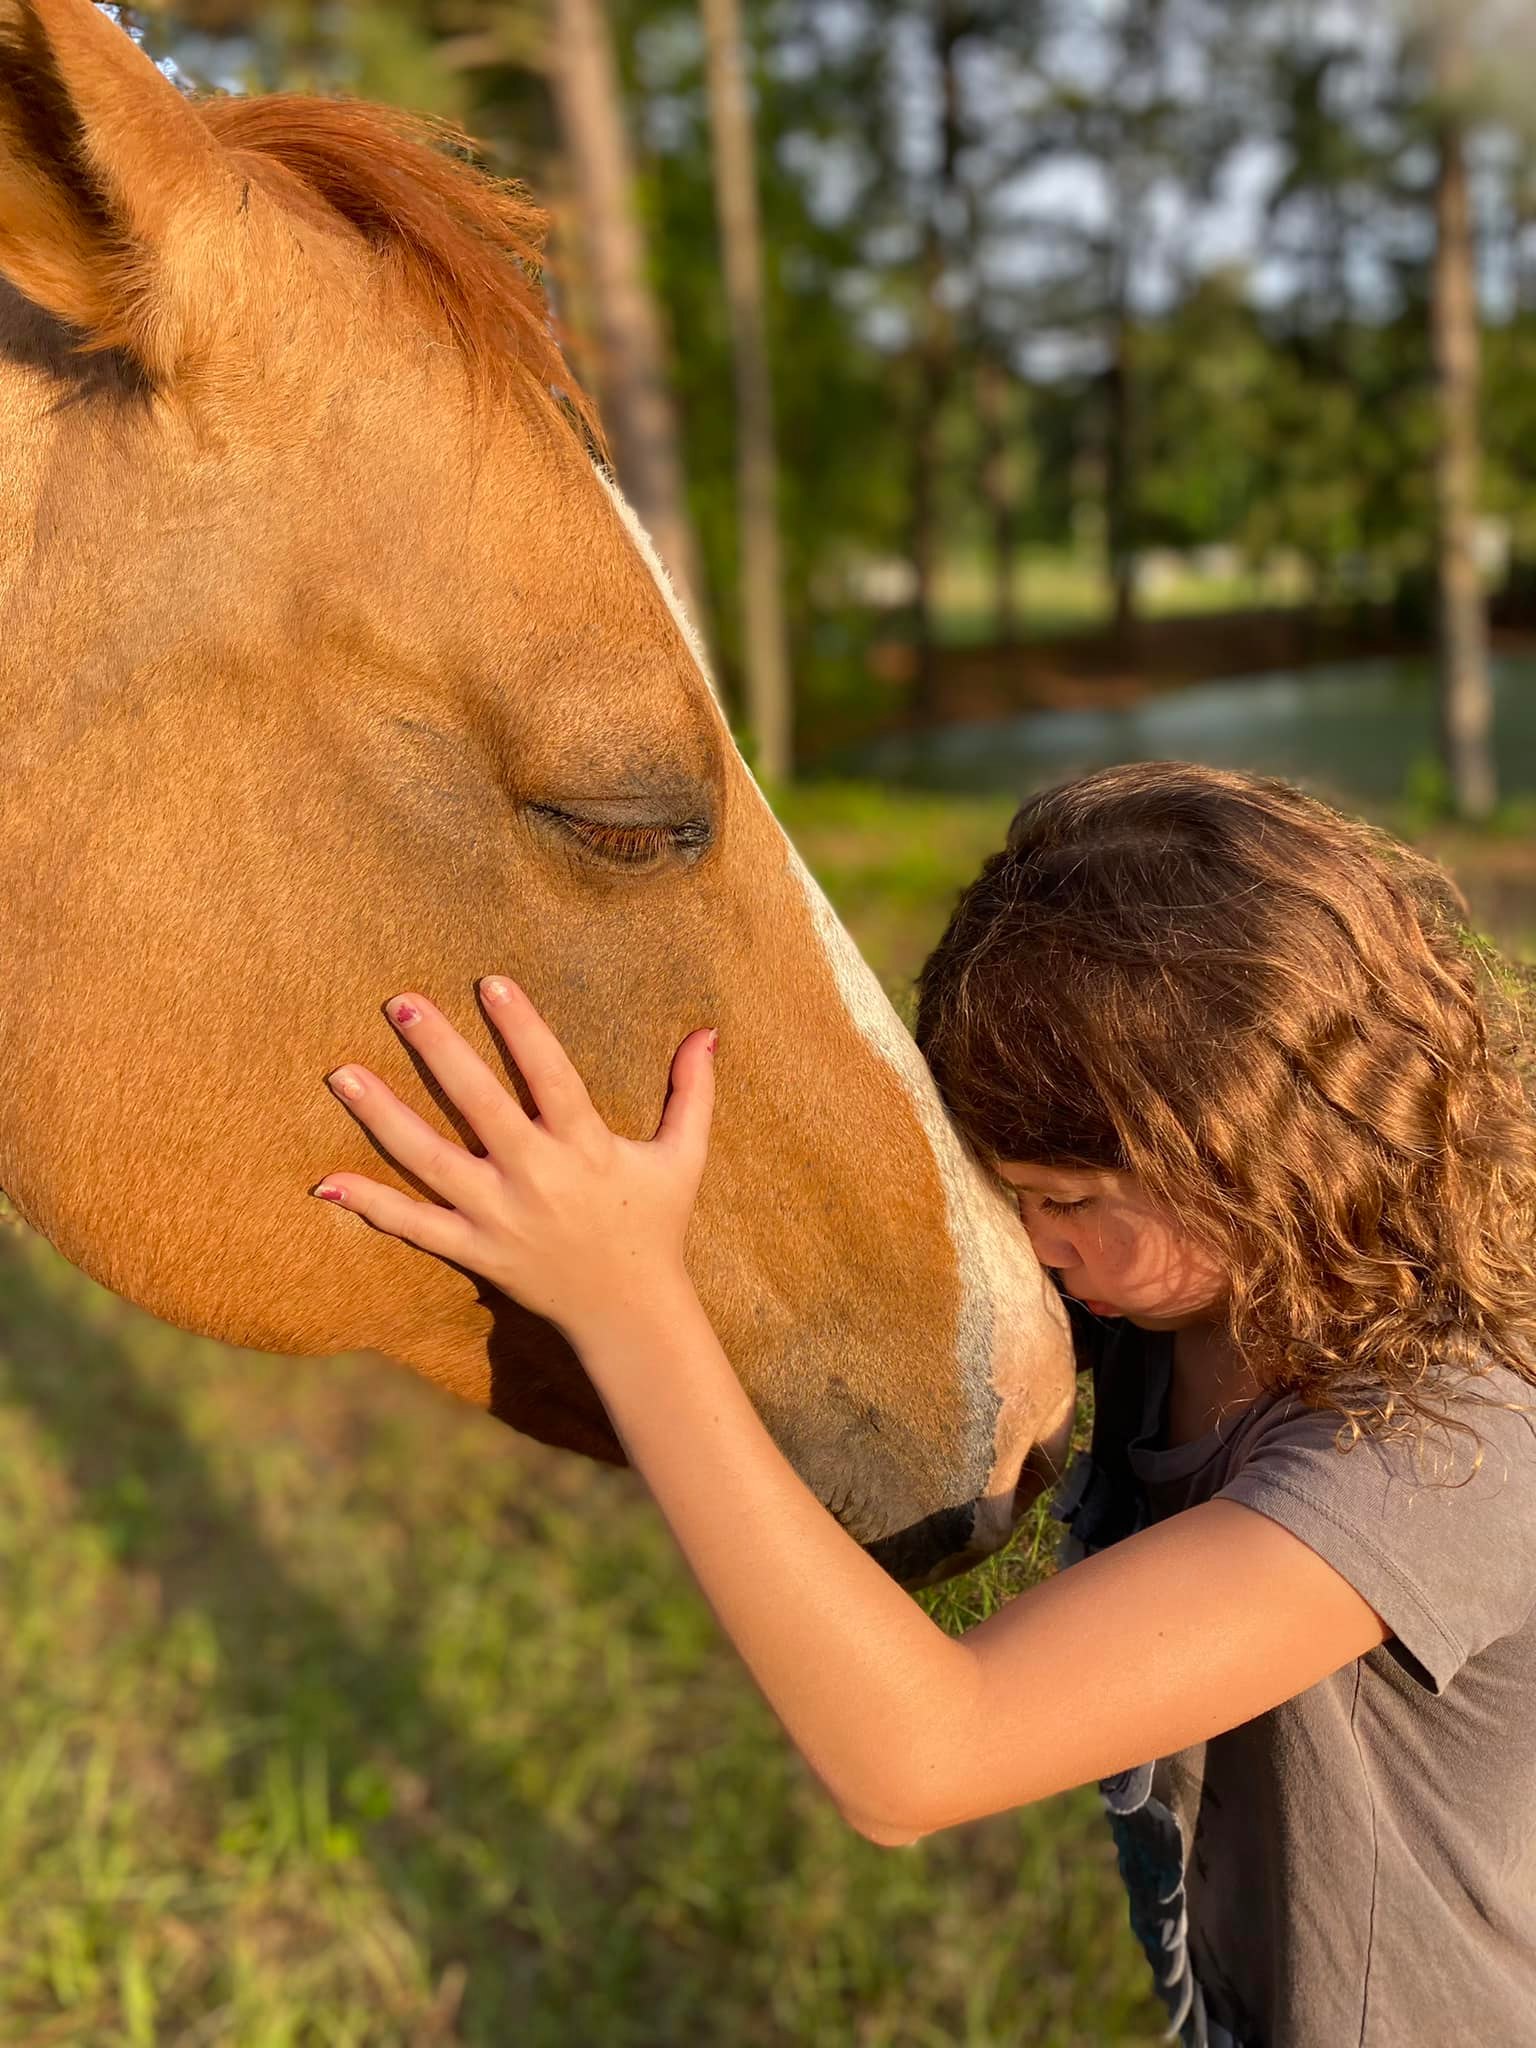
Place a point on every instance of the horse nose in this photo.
(952, 1540)
(915, 1556)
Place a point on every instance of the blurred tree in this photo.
(1347, 226)
(1507, 424)
(765, 653)
(631, 358)
(825, 193)
(943, 23)
(1466, 689)
(1206, 373)
(994, 120)
(996, 486)
(1001, 296)
(1133, 111)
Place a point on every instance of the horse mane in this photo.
(467, 246)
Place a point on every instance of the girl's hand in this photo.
(579, 1225)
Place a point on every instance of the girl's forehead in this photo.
(1032, 1178)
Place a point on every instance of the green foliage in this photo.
(842, 483)
(1280, 391)
(1426, 798)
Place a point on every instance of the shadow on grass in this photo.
(290, 1660)
(606, 1840)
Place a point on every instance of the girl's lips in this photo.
(1099, 1308)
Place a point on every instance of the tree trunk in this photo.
(926, 459)
(1120, 473)
(997, 494)
(1466, 691)
(770, 711)
(935, 365)
(629, 351)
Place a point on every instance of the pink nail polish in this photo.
(327, 1193)
(712, 1041)
(404, 1013)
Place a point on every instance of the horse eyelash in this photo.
(630, 845)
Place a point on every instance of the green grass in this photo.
(336, 1716)
(893, 862)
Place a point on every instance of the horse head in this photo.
(332, 663)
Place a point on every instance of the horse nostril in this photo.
(912, 1553)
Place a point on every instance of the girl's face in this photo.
(1112, 1249)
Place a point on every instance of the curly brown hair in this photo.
(1277, 1018)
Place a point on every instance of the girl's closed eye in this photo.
(1065, 1208)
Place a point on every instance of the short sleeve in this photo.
(1441, 1542)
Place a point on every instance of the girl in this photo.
(1248, 1077)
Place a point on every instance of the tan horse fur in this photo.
(330, 666)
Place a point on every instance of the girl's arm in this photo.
(1167, 1638)
(1170, 1637)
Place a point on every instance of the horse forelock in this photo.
(466, 247)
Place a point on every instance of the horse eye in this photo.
(629, 846)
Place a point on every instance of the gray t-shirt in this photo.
(1361, 1861)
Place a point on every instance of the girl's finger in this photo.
(437, 1162)
(441, 1231)
(690, 1105)
(558, 1091)
(493, 1112)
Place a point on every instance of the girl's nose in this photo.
(1049, 1249)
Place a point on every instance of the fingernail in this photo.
(329, 1194)
(404, 1013)
(495, 990)
(712, 1041)
(346, 1083)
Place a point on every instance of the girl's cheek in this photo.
(1085, 1247)
(1113, 1251)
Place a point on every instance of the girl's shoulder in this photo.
(1476, 1429)
(1435, 1526)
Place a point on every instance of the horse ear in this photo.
(115, 199)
